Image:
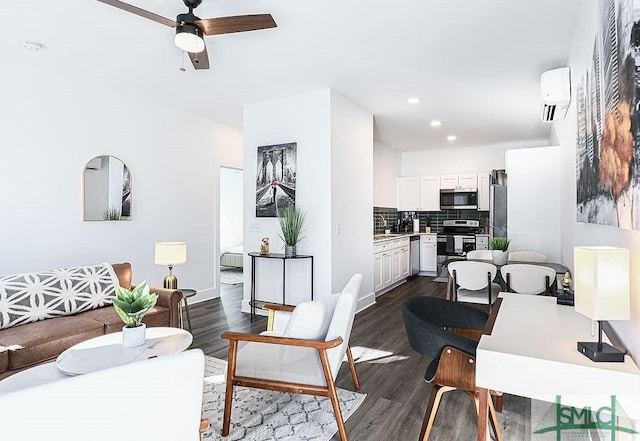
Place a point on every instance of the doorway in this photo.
(231, 235)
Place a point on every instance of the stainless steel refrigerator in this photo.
(497, 211)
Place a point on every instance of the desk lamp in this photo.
(601, 293)
(170, 253)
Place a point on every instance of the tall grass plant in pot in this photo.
(291, 223)
(500, 253)
(131, 306)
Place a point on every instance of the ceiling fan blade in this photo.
(199, 60)
(141, 12)
(237, 23)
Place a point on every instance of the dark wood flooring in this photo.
(396, 391)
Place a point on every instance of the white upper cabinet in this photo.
(408, 193)
(468, 181)
(448, 182)
(484, 182)
(429, 193)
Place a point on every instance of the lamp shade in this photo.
(602, 282)
(170, 253)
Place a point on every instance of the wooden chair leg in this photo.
(432, 409)
(498, 404)
(352, 366)
(333, 394)
(204, 425)
(228, 398)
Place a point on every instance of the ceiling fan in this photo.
(190, 29)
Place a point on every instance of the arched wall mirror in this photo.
(107, 189)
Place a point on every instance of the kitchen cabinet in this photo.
(391, 260)
(468, 181)
(408, 193)
(428, 253)
(429, 193)
(484, 182)
(459, 181)
(448, 182)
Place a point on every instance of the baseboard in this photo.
(366, 301)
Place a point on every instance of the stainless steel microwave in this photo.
(459, 199)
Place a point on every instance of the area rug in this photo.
(262, 415)
(441, 279)
(230, 275)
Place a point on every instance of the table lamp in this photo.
(170, 253)
(601, 283)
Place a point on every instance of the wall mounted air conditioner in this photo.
(556, 94)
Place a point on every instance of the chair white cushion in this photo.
(280, 363)
(480, 296)
(310, 320)
(528, 279)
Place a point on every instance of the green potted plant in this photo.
(291, 223)
(500, 253)
(131, 306)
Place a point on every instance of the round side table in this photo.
(184, 305)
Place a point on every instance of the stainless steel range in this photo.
(458, 236)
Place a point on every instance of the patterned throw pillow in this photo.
(26, 298)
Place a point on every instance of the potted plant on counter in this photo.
(291, 222)
(131, 306)
(500, 245)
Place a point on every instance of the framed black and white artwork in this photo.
(607, 159)
(275, 178)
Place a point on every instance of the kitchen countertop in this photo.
(382, 237)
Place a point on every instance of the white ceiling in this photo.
(475, 64)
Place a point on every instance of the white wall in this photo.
(52, 126)
(307, 120)
(387, 166)
(533, 200)
(481, 159)
(351, 196)
(575, 233)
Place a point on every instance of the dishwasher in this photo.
(414, 243)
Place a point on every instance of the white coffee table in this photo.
(99, 353)
(107, 351)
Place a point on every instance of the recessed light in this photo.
(413, 100)
(451, 138)
(31, 45)
(436, 123)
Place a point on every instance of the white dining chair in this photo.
(529, 279)
(479, 254)
(473, 282)
(527, 256)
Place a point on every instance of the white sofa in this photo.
(156, 400)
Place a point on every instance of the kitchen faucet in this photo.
(384, 221)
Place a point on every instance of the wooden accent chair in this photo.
(529, 279)
(473, 282)
(441, 330)
(302, 356)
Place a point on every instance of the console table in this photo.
(284, 259)
(529, 349)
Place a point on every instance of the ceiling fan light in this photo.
(189, 38)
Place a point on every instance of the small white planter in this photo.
(500, 257)
(132, 337)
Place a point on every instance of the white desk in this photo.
(531, 352)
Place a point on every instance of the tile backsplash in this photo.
(431, 218)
